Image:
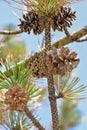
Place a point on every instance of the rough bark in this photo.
(51, 89)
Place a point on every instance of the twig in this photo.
(33, 119)
(66, 31)
(60, 95)
(82, 40)
(10, 32)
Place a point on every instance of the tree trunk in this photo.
(51, 89)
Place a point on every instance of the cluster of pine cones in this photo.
(16, 98)
(59, 61)
(62, 18)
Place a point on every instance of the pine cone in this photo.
(60, 61)
(31, 21)
(37, 63)
(62, 18)
(16, 97)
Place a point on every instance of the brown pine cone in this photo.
(31, 21)
(59, 61)
(16, 97)
(62, 18)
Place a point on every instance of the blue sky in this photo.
(7, 17)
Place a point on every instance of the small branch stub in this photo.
(10, 32)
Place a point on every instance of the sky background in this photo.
(7, 17)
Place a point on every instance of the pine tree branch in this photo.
(6, 32)
(50, 80)
(82, 40)
(33, 119)
(36, 58)
(72, 38)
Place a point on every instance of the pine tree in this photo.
(44, 16)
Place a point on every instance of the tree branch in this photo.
(37, 60)
(73, 37)
(82, 40)
(33, 119)
(10, 32)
